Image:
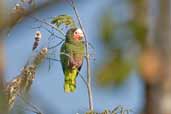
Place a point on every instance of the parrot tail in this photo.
(70, 81)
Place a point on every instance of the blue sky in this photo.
(48, 85)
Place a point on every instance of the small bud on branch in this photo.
(37, 39)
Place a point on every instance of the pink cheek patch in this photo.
(77, 37)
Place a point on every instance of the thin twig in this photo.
(82, 77)
(53, 59)
(55, 45)
(31, 105)
(53, 34)
(87, 57)
(54, 27)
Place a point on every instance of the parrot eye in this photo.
(78, 34)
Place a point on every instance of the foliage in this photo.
(63, 20)
(118, 110)
(115, 71)
(116, 68)
(140, 32)
(107, 27)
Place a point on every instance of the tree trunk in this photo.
(163, 37)
(158, 95)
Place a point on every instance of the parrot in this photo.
(71, 57)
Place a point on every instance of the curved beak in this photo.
(81, 34)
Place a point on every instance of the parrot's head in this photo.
(74, 34)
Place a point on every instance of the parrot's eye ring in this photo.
(76, 32)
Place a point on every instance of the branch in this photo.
(55, 45)
(34, 108)
(19, 12)
(50, 25)
(82, 77)
(53, 34)
(22, 83)
(87, 56)
(53, 59)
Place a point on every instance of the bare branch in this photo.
(53, 59)
(46, 23)
(34, 108)
(55, 45)
(82, 77)
(87, 56)
(53, 34)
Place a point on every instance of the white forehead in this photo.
(79, 30)
(38, 32)
(17, 5)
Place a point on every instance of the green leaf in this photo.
(63, 20)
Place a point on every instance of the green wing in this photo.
(69, 52)
(64, 59)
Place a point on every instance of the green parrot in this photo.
(71, 56)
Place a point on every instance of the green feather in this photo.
(63, 19)
(69, 48)
(70, 80)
